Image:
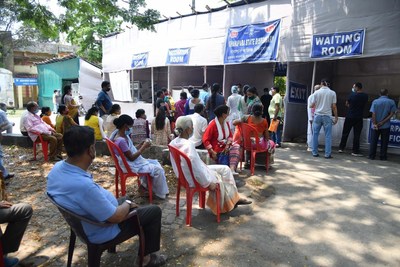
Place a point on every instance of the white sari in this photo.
(207, 174)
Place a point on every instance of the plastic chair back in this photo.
(95, 250)
(119, 173)
(45, 146)
(178, 156)
(251, 143)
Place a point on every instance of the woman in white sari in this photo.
(206, 175)
(134, 157)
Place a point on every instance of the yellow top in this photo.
(93, 122)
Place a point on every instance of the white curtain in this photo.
(120, 85)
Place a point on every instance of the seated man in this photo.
(33, 123)
(17, 217)
(5, 124)
(73, 187)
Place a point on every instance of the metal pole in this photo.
(152, 87)
(205, 74)
(313, 76)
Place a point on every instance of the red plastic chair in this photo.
(119, 173)
(250, 142)
(45, 146)
(177, 156)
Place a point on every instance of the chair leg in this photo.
(116, 183)
(123, 185)
(267, 162)
(1, 256)
(202, 199)
(34, 151)
(178, 195)
(150, 188)
(45, 150)
(218, 197)
(71, 247)
(252, 162)
(189, 200)
(94, 256)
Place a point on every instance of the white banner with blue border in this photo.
(139, 60)
(339, 44)
(178, 56)
(252, 43)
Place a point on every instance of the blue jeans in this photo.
(326, 122)
(277, 136)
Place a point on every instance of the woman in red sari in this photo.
(217, 139)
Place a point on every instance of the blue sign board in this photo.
(394, 134)
(339, 44)
(252, 43)
(297, 93)
(139, 60)
(178, 56)
(25, 81)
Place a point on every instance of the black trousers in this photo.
(17, 217)
(150, 220)
(384, 134)
(357, 125)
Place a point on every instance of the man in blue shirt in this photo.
(382, 110)
(354, 118)
(73, 187)
(103, 101)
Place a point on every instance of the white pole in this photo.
(205, 74)
(223, 81)
(313, 76)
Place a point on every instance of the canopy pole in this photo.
(152, 86)
(168, 80)
(205, 74)
(313, 76)
(223, 81)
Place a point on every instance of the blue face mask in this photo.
(128, 132)
(35, 110)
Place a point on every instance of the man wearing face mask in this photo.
(34, 125)
(103, 101)
(354, 119)
(275, 113)
(71, 186)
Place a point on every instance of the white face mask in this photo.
(353, 89)
(270, 92)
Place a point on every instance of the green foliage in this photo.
(84, 21)
(281, 83)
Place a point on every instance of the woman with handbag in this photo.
(217, 139)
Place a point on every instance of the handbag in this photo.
(223, 158)
(273, 127)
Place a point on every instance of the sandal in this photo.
(243, 201)
(156, 260)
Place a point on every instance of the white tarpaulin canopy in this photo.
(90, 78)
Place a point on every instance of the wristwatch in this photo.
(128, 201)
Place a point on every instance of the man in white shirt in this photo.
(199, 126)
(310, 114)
(324, 102)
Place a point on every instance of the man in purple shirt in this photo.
(35, 125)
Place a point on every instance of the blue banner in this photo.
(297, 93)
(25, 81)
(252, 43)
(139, 60)
(178, 56)
(339, 44)
(394, 134)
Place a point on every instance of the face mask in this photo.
(353, 89)
(128, 132)
(270, 92)
(35, 111)
(252, 97)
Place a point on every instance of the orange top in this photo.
(261, 127)
(47, 120)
